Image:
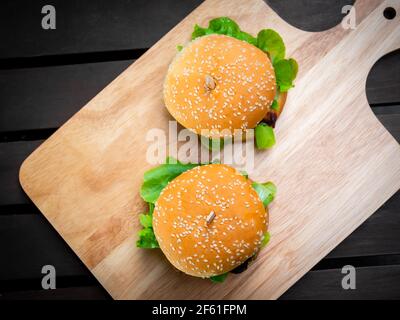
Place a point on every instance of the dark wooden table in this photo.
(48, 75)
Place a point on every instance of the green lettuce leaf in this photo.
(270, 41)
(266, 191)
(220, 278)
(244, 36)
(147, 239)
(265, 239)
(156, 179)
(275, 105)
(264, 135)
(198, 32)
(151, 208)
(146, 220)
(171, 160)
(222, 25)
(285, 73)
(226, 26)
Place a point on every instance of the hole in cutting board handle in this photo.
(389, 13)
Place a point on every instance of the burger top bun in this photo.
(209, 220)
(218, 82)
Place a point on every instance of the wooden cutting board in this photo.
(334, 163)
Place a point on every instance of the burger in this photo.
(225, 80)
(208, 219)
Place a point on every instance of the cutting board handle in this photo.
(376, 35)
(393, 6)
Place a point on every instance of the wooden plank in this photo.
(310, 15)
(87, 26)
(73, 293)
(11, 157)
(380, 234)
(383, 82)
(106, 159)
(380, 282)
(392, 123)
(33, 240)
(389, 118)
(47, 97)
(27, 243)
(93, 26)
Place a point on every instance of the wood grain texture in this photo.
(310, 15)
(46, 97)
(103, 26)
(334, 163)
(372, 283)
(380, 234)
(384, 79)
(35, 244)
(315, 285)
(87, 26)
(11, 157)
(27, 243)
(73, 293)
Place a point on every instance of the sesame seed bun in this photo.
(218, 82)
(209, 220)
